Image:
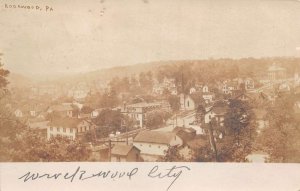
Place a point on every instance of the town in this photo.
(184, 111)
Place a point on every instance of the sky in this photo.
(80, 36)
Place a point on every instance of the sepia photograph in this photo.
(150, 81)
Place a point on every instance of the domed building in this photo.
(276, 72)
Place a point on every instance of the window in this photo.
(149, 145)
(158, 146)
(58, 129)
(64, 130)
(71, 130)
(51, 128)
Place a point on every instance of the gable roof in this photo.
(185, 134)
(144, 104)
(158, 137)
(122, 150)
(65, 122)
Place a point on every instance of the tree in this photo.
(31, 146)
(281, 138)
(239, 133)
(172, 155)
(174, 102)
(146, 81)
(3, 75)
(156, 118)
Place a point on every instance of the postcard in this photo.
(150, 95)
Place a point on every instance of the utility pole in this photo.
(126, 135)
(109, 149)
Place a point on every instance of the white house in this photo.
(85, 125)
(18, 113)
(208, 97)
(66, 127)
(192, 90)
(249, 84)
(187, 102)
(205, 89)
(137, 111)
(216, 112)
(154, 144)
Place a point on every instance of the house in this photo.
(30, 110)
(187, 102)
(79, 92)
(167, 84)
(229, 86)
(85, 125)
(205, 89)
(249, 84)
(85, 112)
(192, 90)
(18, 113)
(63, 110)
(155, 144)
(125, 153)
(217, 112)
(158, 89)
(173, 91)
(38, 125)
(66, 127)
(95, 113)
(138, 111)
(284, 88)
(186, 134)
(190, 102)
(208, 97)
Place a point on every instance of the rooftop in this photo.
(144, 104)
(65, 122)
(122, 150)
(158, 137)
